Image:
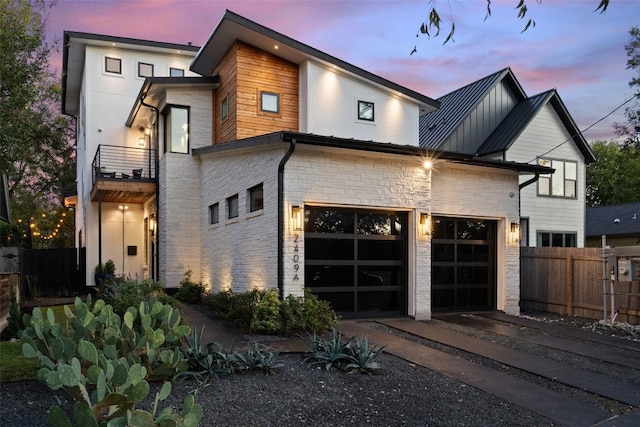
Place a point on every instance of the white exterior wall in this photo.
(328, 106)
(180, 203)
(489, 194)
(240, 254)
(559, 214)
(105, 103)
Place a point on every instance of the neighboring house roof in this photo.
(371, 146)
(234, 27)
(4, 199)
(437, 127)
(73, 55)
(613, 220)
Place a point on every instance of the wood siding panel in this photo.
(228, 72)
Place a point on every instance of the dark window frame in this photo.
(140, 64)
(264, 93)
(173, 70)
(570, 237)
(253, 200)
(224, 108)
(214, 213)
(166, 113)
(361, 112)
(231, 201)
(551, 180)
(107, 59)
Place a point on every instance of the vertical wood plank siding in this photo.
(569, 281)
(244, 72)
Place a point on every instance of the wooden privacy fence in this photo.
(570, 281)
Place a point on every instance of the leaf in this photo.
(67, 376)
(602, 7)
(58, 418)
(530, 23)
(83, 416)
(51, 317)
(164, 391)
(28, 351)
(128, 320)
(450, 35)
(88, 351)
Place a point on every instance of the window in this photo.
(232, 206)
(224, 108)
(524, 232)
(177, 129)
(556, 239)
(145, 70)
(256, 200)
(366, 111)
(562, 183)
(176, 72)
(113, 65)
(269, 102)
(214, 213)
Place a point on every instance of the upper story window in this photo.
(562, 183)
(232, 207)
(269, 102)
(556, 239)
(112, 65)
(176, 122)
(176, 72)
(366, 111)
(224, 108)
(214, 213)
(256, 198)
(145, 70)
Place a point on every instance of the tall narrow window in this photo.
(177, 129)
(214, 213)
(232, 206)
(113, 65)
(145, 70)
(256, 199)
(224, 108)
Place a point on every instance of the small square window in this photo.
(270, 102)
(214, 213)
(176, 72)
(256, 199)
(366, 111)
(113, 65)
(232, 206)
(145, 70)
(224, 108)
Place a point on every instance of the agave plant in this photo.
(354, 355)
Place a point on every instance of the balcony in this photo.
(123, 174)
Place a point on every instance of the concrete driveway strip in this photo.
(581, 379)
(545, 402)
(620, 356)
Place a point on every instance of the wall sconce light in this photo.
(515, 232)
(152, 224)
(296, 218)
(425, 224)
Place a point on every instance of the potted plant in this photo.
(104, 272)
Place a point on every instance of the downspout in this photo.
(520, 187)
(154, 274)
(283, 162)
(529, 182)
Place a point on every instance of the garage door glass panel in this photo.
(444, 229)
(329, 249)
(472, 275)
(443, 252)
(473, 253)
(328, 276)
(443, 275)
(380, 249)
(380, 276)
(377, 301)
(328, 221)
(379, 224)
(472, 230)
(341, 302)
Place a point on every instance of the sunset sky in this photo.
(572, 48)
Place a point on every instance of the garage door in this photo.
(463, 265)
(357, 260)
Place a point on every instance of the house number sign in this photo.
(295, 258)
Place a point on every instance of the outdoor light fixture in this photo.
(427, 164)
(296, 218)
(515, 232)
(425, 224)
(152, 224)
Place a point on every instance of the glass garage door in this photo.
(463, 265)
(357, 260)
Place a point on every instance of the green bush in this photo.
(263, 312)
(124, 293)
(191, 292)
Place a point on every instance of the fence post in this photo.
(569, 279)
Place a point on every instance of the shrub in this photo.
(191, 292)
(101, 362)
(14, 322)
(266, 317)
(309, 314)
(124, 293)
(354, 355)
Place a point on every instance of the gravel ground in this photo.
(402, 394)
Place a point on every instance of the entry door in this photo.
(463, 264)
(357, 260)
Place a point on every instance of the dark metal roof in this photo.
(437, 126)
(234, 27)
(73, 59)
(378, 147)
(613, 220)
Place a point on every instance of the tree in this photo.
(432, 25)
(36, 147)
(631, 129)
(615, 177)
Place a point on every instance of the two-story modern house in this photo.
(271, 164)
(494, 118)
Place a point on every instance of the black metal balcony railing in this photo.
(128, 163)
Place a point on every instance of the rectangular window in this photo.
(562, 183)
(113, 65)
(176, 123)
(145, 70)
(269, 102)
(524, 232)
(214, 213)
(256, 199)
(556, 239)
(232, 206)
(176, 72)
(366, 111)
(224, 108)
